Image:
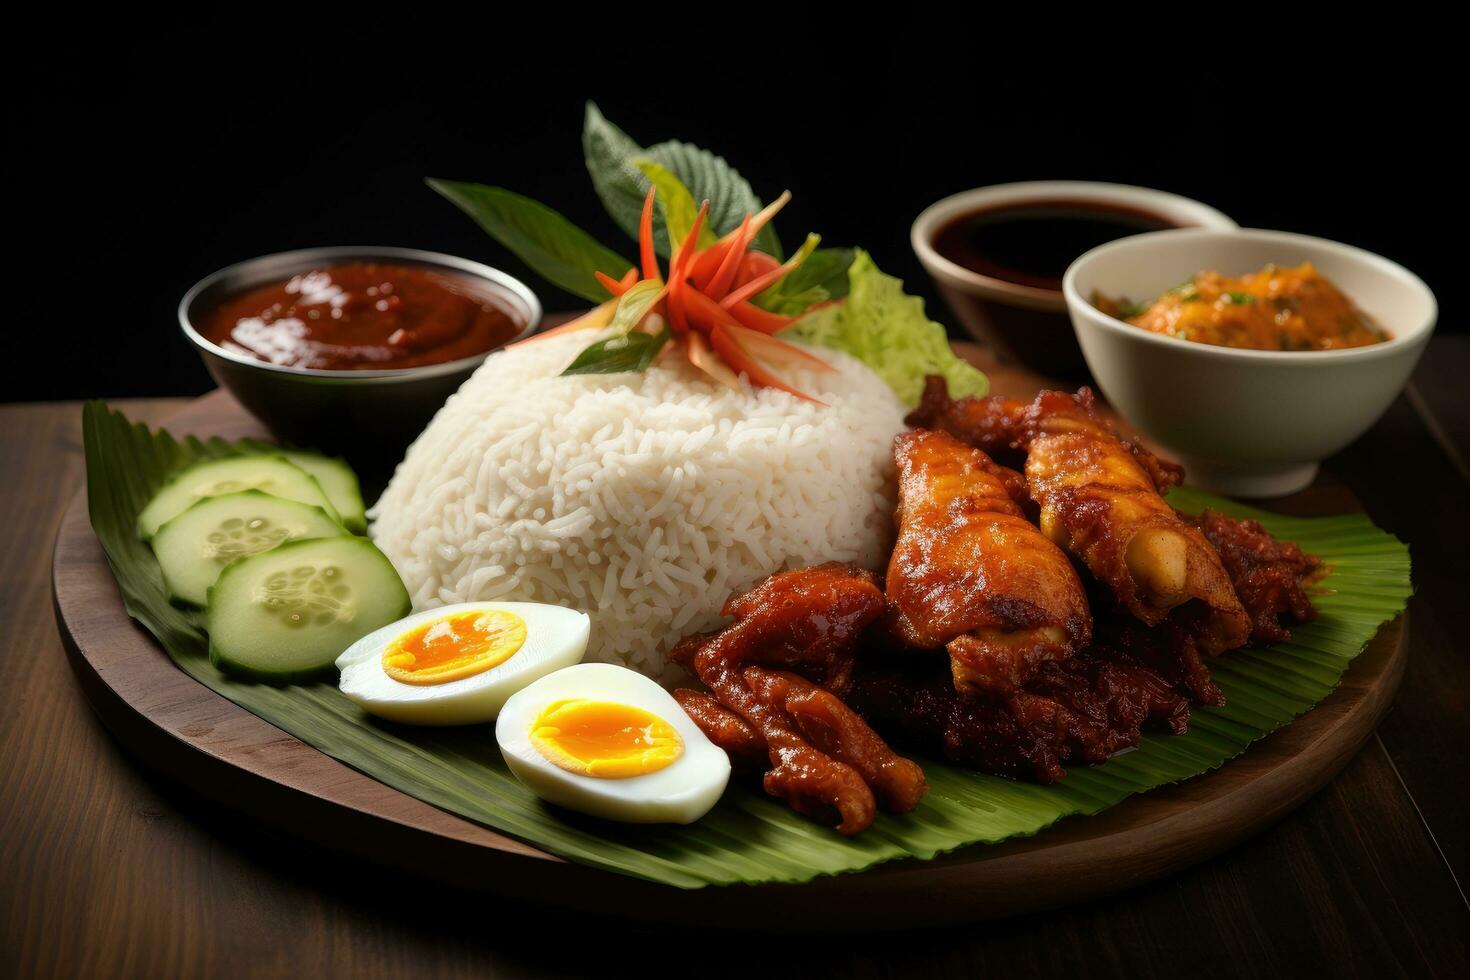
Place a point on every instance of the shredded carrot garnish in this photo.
(752, 316)
(614, 286)
(726, 273)
(645, 239)
(697, 349)
(763, 281)
(734, 355)
(704, 313)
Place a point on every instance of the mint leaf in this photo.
(556, 249)
(612, 159)
(624, 352)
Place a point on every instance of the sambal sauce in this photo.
(1278, 308)
(363, 316)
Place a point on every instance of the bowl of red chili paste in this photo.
(352, 349)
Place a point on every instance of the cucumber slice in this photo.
(194, 547)
(338, 482)
(287, 613)
(216, 477)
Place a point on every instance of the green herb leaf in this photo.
(611, 157)
(634, 305)
(625, 352)
(556, 249)
(1240, 299)
(822, 277)
(677, 204)
(612, 160)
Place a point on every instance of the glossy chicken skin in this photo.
(971, 574)
(824, 759)
(1099, 498)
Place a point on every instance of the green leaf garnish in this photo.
(677, 204)
(556, 249)
(1240, 299)
(887, 330)
(625, 352)
(822, 277)
(612, 160)
(634, 305)
(628, 350)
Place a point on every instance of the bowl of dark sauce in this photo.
(998, 254)
(352, 350)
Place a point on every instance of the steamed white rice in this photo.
(643, 500)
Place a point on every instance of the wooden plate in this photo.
(184, 729)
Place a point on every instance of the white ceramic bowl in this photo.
(1244, 422)
(1026, 323)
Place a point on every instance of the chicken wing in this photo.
(1099, 498)
(971, 574)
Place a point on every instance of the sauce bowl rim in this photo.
(1402, 335)
(503, 281)
(928, 222)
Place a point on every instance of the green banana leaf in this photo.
(749, 837)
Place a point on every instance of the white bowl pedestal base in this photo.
(1249, 481)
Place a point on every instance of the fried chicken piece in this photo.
(1269, 576)
(811, 619)
(970, 573)
(811, 782)
(807, 620)
(836, 729)
(990, 424)
(925, 712)
(743, 744)
(1099, 498)
(1169, 650)
(1084, 710)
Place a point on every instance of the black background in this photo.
(147, 166)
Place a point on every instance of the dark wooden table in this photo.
(110, 869)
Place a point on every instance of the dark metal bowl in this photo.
(368, 416)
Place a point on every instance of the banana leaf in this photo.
(749, 837)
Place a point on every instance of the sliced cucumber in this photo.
(287, 613)
(338, 482)
(216, 477)
(194, 547)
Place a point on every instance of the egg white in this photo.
(556, 637)
(681, 792)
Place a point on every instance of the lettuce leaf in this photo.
(887, 330)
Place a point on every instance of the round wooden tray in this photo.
(178, 726)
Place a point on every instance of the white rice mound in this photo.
(644, 500)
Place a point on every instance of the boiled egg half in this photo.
(457, 665)
(608, 741)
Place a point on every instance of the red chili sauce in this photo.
(363, 316)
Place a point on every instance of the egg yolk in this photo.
(453, 647)
(604, 739)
